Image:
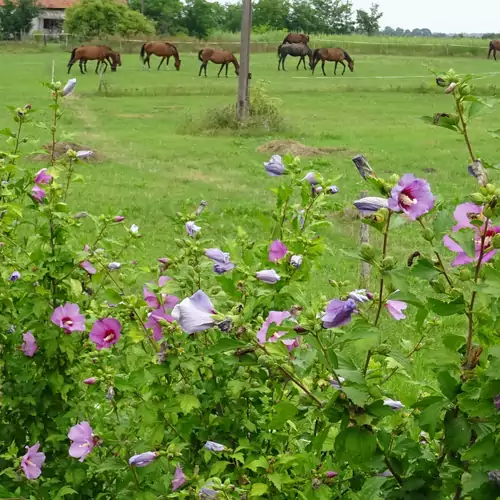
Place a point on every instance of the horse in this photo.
(337, 55)
(92, 53)
(84, 61)
(296, 38)
(223, 57)
(295, 50)
(164, 50)
(494, 46)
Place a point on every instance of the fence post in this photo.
(364, 237)
(101, 77)
(246, 28)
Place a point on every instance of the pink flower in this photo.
(29, 346)
(87, 266)
(163, 280)
(38, 193)
(32, 462)
(395, 308)
(179, 478)
(90, 381)
(83, 440)
(163, 260)
(463, 214)
(152, 300)
(69, 318)
(276, 317)
(105, 333)
(412, 196)
(153, 321)
(42, 177)
(277, 251)
(119, 218)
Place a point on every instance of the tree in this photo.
(17, 16)
(98, 18)
(368, 22)
(165, 13)
(302, 17)
(333, 16)
(232, 17)
(271, 13)
(198, 18)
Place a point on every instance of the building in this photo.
(51, 17)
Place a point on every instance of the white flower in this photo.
(69, 87)
(84, 154)
(451, 88)
(195, 313)
(113, 266)
(268, 276)
(192, 228)
(395, 405)
(296, 260)
(134, 229)
(359, 296)
(212, 446)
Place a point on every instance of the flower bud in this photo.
(451, 88)
(437, 286)
(428, 234)
(440, 81)
(477, 198)
(367, 253)
(389, 263)
(496, 241)
(490, 188)
(265, 360)
(488, 211)
(384, 349)
(316, 483)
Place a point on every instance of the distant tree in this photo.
(99, 18)
(232, 17)
(303, 17)
(333, 16)
(165, 13)
(198, 18)
(368, 22)
(16, 16)
(272, 13)
(388, 31)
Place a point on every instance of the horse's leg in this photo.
(279, 62)
(201, 68)
(342, 62)
(335, 70)
(495, 54)
(304, 61)
(323, 67)
(221, 68)
(148, 57)
(300, 60)
(161, 62)
(105, 65)
(168, 61)
(227, 67)
(70, 64)
(81, 66)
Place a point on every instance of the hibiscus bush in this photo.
(219, 371)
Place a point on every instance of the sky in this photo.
(448, 16)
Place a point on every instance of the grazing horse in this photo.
(92, 53)
(164, 50)
(296, 38)
(494, 46)
(84, 61)
(223, 57)
(337, 55)
(295, 50)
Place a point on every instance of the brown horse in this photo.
(337, 55)
(164, 50)
(494, 46)
(296, 38)
(92, 53)
(223, 57)
(84, 61)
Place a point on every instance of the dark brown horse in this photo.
(92, 53)
(223, 57)
(334, 55)
(164, 50)
(494, 46)
(295, 50)
(296, 38)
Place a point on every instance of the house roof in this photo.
(57, 4)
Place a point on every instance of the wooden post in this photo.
(101, 77)
(53, 70)
(246, 29)
(364, 237)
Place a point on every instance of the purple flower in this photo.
(38, 193)
(338, 313)
(359, 296)
(222, 260)
(370, 204)
(463, 214)
(275, 167)
(154, 321)
(213, 446)
(276, 317)
(192, 228)
(195, 313)
(332, 190)
(386, 473)
(395, 308)
(335, 383)
(296, 261)
(105, 333)
(69, 318)
(311, 178)
(69, 87)
(87, 266)
(496, 401)
(206, 492)
(412, 196)
(163, 260)
(143, 459)
(83, 440)
(269, 276)
(277, 251)
(179, 478)
(15, 276)
(32, 462)
(29, 346)
(42, 177)
(395, 405)
(119, 218)
(90, 381)
(114, 266)
(330, 473)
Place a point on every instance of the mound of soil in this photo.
(294, 148)
(62, 148)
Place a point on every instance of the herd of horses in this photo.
(294, 45)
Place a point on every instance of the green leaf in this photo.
(218, 467)
(430, 418)
(255, 464)
(449, 385)
(356, 446)
(457, 431)
(225, 344)
(473, 481)
(284, 411)
(112, 296)
(442, 308)
(65, 490)
(371, 488)
(258, 490)
(358, 396)
(379, 409)
(481, 450)
(275, 478)
(466, 238)
(277, 350)
(424, 269)
(188, 402)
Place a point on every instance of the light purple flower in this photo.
(370, 204)
(395, 308)
(269, 276)
(338, 313)
(277, 251)
(496, 401)
(311, 178)
(162, 280)
(114, 266)
(275, 167)
(179, 478)
(69, 87)
(276, 317)
(335, 383)
(463, 214)
(207, 492)
(119, 218)
(38, 193)
(43, 177)
(195, 313)
(395, 405)
(222, 260)
(296, 261)
(386, 473)
(330, 473)
(83, 440)
(332, 190)
(192, 228)
(32, 462)
(105, 333)
(163, 260)
(29, 346)
(450, 88)
(69, 318)
(412, 196)
(359, 296)
(154, 321)
(143, 459)
(213, 446)
(87, 266)
(15, 276)
(90, 381)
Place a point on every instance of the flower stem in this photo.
(54, 130)
(464, 129)
(136, 477)
(396, 476)
(70, 172)
(323, 350)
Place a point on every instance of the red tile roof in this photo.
(58, 4)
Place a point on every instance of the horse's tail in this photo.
(492, 48)
(316, 57)
(72, 56)
(143, 52)
(199, 55)
(279, 48)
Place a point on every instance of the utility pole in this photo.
(246, 29)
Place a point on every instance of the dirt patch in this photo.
(62, 148)
(294, 148)
(132, 115)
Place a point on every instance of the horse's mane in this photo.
(347, 56)
(173, 46)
